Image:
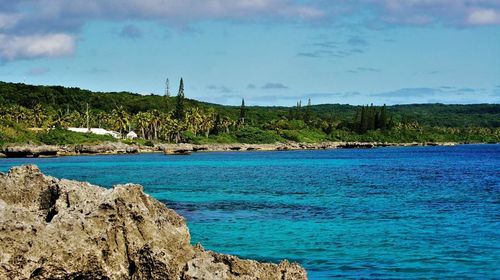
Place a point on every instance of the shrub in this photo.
(253, 135)
(304, 135)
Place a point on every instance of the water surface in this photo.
(386, 213)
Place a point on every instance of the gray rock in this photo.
(30, 150)
(61, 229)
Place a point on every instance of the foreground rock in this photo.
(61, 229)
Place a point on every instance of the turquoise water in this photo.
(382, 213)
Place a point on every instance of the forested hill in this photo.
(63, 98)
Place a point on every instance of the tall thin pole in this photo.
(167, 88)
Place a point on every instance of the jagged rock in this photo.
(62, 229)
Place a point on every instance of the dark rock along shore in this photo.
(62, 229)
(122, 148)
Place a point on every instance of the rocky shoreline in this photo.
(60, 229)
(289, 146)
(20, 151)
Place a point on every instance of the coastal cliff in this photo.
(60, 229)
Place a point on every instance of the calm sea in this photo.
(420, 212)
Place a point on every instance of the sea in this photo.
(383, 213)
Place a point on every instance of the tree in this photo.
(217, 125)
(142, 120)
(372, 117)
(242, 112)
(39, 115)
(120, 120)
(383, 118)
(207, 122)
(225, 124)
(155, 123)
(179, 108)
(364, 121)
(194, 119)
(307, 115)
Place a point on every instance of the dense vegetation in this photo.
(27, 112)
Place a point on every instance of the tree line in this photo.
(179, 119)
(169, 125)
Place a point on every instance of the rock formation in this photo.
(184, 149)
(62, 229)
(31, 151)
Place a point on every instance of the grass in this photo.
(15, 133)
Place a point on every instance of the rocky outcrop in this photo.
(61, 229)
(20, 151)
(30, 151)
(107, 148)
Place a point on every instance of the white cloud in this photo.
(483, 17)
(47, 28)
(71, 15)
(460, 13)
(34, 46)
(179, 10)
(8, 20)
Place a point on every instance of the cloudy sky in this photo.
(271, 52)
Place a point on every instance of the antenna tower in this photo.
(167, 88)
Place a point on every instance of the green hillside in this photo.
(173, 119)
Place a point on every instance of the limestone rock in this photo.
(30, 150)
(103, 148)
(62, 229)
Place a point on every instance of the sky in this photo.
(269, 52)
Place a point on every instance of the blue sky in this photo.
(271, 52)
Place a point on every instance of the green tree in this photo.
(307, 115)
(383, 123)
(120, 120)
(217, 125)
(242, 112)
(364, 120)
(142, 120)
(179, 108)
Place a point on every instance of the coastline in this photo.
(113, 148)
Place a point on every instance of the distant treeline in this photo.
(177, 118)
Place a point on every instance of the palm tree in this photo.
(194, 119)
(38, 115)
(155, 122)
(207, 123)
(61, 119)
(225, 124)
(120, 120)
(142, 120)
(166, 127)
